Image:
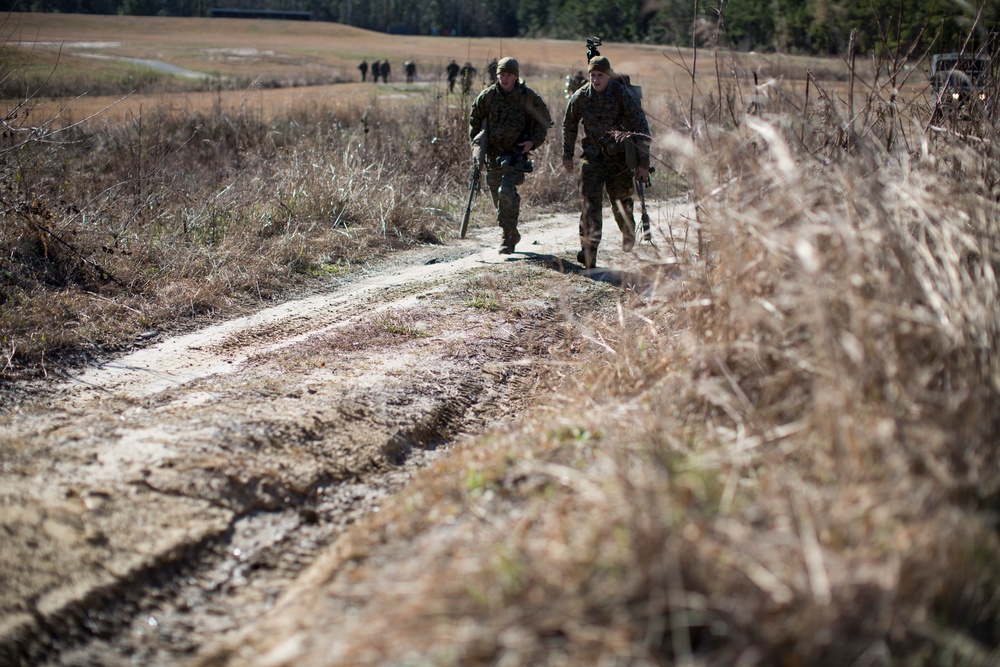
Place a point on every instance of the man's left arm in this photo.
(476, 116)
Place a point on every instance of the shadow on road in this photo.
(625, 280)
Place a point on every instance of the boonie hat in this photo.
(600, 64)
(508, 65)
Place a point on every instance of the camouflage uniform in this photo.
(509, 122)
(604, 156)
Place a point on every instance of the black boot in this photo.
(587, 257)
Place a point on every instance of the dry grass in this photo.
(117, 228)
(790, 459)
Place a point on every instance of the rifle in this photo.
(473, 188)
(479, 158)
(640, 188)
(632, 160)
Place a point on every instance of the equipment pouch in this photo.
(610, 147)
(515, 162)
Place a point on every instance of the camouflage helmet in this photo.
(508, 65)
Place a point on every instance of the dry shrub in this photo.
(810, 477)
(844, 375)
(169, 215)
(789, 458)
(240, 206)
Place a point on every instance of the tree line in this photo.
(822, 27)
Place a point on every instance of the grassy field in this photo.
(265, 63)
(790, 460)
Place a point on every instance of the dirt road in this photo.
(169, 496)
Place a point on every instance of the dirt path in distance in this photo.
(169, 496)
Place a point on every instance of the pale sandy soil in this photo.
(161, 501)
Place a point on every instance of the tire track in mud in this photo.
(164, 499)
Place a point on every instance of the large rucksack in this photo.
(631, 149)
(626, 80)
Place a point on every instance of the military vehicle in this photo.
(962, 86)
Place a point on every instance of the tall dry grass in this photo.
(116, 229)
(789, 457)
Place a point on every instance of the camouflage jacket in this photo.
(603, 114)
(507, 118)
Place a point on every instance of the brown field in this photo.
(288, 54)
(769, 439)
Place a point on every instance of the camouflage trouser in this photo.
(603, 173)
(503, 189)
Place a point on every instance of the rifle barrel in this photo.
(473, 187)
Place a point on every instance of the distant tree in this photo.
(140, 7)
(669, 21)
(537, 17)
(791, 26)
(614, 20)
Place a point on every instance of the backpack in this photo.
(634, 89)
(631, 149)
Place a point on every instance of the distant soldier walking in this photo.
(508, 119)
(468, 72)
(452, 71)
(364, 69)
(575, 82)
(376, 65)
(385, 69)
(614, 125)
(410, 68)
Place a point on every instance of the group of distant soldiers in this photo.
(384, 69)
(465, 74)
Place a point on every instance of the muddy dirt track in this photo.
(166, 498)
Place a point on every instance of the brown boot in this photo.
(628, 241)
(511, 237)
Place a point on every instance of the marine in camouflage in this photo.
(510, 118)
(610, 119)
